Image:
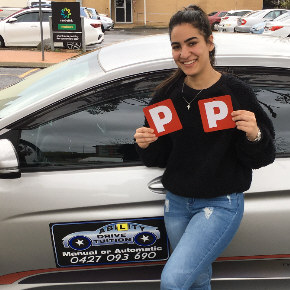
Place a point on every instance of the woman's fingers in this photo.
(144, 136)
(246, 121)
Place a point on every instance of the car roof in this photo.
(231, 11)
(241, 48)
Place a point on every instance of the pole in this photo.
(145, 16)
(51, 33)
(41, 30)
(83, 34)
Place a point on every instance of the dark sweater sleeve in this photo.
(261, 153)
(157, 153)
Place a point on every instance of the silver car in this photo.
(245, 23)
(68, 166)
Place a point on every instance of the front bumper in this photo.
(242, 28)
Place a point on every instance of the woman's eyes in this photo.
(177, 47)
(192, 43)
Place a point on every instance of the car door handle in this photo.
(33, 26)
(156, 186)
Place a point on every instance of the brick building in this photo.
(156, 13)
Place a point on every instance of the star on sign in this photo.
(80, 242)
(145, 238)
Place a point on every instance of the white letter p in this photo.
(159, 123)
(211, 116)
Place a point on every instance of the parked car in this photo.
(279, 27)
(230, 20)
(23, 29)
(258, 28)
(245, 23)
(215, 18)
(107, 22)
(35, 3)
(68, 166)
(7, 11)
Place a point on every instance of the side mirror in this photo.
(9, 165)
(12, 20)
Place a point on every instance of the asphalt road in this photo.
(12, 75)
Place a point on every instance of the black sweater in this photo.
(205, 165)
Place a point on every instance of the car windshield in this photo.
(255, 13)
(237, 13)
(283, 17)
(47, 82)
(93, 13)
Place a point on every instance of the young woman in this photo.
(206, 173)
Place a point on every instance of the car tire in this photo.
(86, 243)
(103, 29)
(72, 45)
(151, 239)
(2, 43)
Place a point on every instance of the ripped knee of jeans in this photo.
(166, 205)
(208, 212)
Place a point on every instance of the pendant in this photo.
(188, 106)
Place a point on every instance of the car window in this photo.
(222, 14)
(273, 14)
(71, 72)
(28, 17)
(212, 13)
(273, 92)
(96, 128)
(283, 17)
(45, 16)
(242, 13)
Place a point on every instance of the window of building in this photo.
(123, 10)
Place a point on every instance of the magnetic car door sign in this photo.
(162, 117)
(109, 242)
(216, 113)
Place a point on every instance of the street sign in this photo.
(66, 16)
(66, 22)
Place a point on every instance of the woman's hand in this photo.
(246, 121)
(144, 136)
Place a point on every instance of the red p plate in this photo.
(162, 117)
(216, 113)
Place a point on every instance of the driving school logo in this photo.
(109, 242)
(112, 234)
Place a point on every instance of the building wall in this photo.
(158, 12)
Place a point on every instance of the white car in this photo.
(279, 27)
(69, 168)
(23, 29)
(107, 22)
(245, 23)
(230, 20)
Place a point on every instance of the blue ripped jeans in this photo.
(198, 230)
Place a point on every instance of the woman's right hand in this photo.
(144, 136)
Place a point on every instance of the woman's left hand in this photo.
(246, 121)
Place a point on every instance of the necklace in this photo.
(188, 103)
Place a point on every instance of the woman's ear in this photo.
(210, 43)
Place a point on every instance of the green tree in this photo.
(285, 4)
(276, 4)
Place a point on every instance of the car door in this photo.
(262, 241)
(45, 24)
(81, 173)
(25, 31)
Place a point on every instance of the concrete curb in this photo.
(26, 64)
